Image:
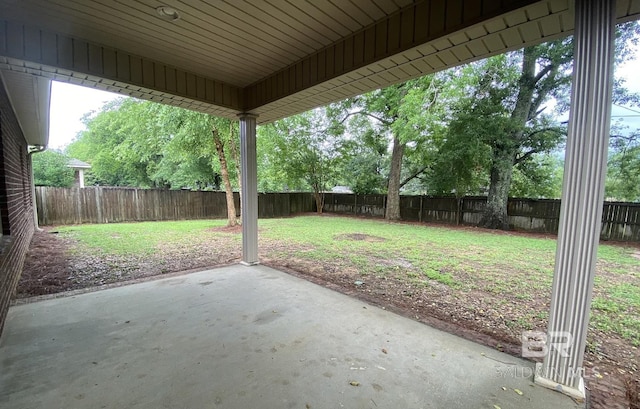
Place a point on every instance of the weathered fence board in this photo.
(620, 221)
(301, 202)
(113, 205)
(368, 205)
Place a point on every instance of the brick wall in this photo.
(16, 213)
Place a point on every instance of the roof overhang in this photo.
(30, 96)
(273, 58)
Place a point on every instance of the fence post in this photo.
(355, 204)
(460, 216)
(384, 206)
(137, 200)
(78, 206)
(42, 211)
(98, 204)
(626, 220)
(420, 212)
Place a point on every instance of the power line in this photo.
(627, 108)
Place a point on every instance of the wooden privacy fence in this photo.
(113, 205)
(620, 221)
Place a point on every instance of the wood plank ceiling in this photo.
(271, 57)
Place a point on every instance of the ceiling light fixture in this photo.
(168, 13)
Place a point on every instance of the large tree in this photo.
(199, 149)
(542, 72)
(300, 153)
(511, 93)
(223, 135)
(123, 143)
(404, 114)
(145, 144)
(507, 110)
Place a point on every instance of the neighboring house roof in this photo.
(341, 189)
(78, 164)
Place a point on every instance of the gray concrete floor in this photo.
(246, 337)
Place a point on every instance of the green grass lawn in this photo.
(511, 273)
(140, 239)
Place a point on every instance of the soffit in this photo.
(274, 58)
(232, 41)
(529, 25)
(29, 96)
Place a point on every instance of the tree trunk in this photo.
(495, 214)
(319, 196)
(224, 170)
(393, 192)
(504, 153)
(233, 146)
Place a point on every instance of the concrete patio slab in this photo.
(246, 337)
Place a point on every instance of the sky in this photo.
(69, 103)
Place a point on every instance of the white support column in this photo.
(249, 205)
(582, 197)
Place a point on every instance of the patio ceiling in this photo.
(273, 58)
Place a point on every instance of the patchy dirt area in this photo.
(360, 237)
(54, 265)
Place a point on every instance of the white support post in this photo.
(249, 205)
(582, 197)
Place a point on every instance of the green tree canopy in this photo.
(50, 169)
(145, 144)
(623, 172)
(301, 152)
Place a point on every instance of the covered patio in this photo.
(247, 337)
(261, 61)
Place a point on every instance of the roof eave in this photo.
(30, 96)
